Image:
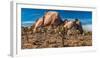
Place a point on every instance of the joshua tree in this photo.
(78, 25)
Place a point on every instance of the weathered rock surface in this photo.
(49, 19)
(52, 32)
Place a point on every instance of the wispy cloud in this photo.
(87, 27)
(27, 23)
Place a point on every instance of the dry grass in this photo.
(54, 37)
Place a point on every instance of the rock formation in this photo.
(68, 24)
(66, 34)
(73, 26)
(51, 18)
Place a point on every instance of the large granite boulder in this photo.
(51, 18)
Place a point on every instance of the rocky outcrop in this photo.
(73, 27)
(69, 24)
(51, 18)
(66, 34)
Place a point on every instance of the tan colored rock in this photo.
(69, 24)
(38, 24)
(50, 18)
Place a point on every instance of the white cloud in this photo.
(87, 27)
(27, 23)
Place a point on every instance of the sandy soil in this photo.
(51, 39)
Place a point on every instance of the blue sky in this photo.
(29, 15)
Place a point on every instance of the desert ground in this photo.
(51, 31)
(52, 39)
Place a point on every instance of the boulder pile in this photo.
(51, 31)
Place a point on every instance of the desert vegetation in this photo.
(52, 35)
(52, 38)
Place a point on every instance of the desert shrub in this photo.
(84, 44)
(43, 30)
(60, 30)
(87, 33)
(73, 32)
